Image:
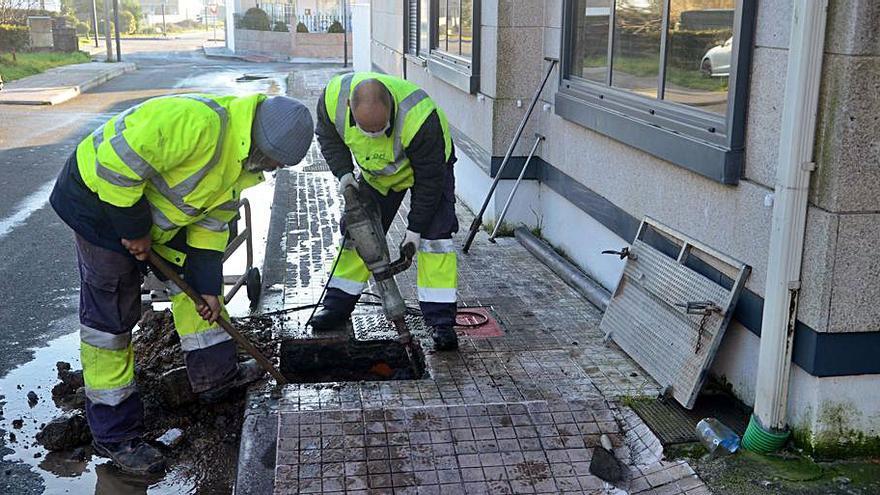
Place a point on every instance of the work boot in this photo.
(445, 338)
(248, 372)
(328, 320)
(132, 456)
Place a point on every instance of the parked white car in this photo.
(716, 61)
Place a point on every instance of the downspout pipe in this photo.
(768, 430)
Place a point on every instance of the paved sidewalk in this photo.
(61, 83)
(516, 413)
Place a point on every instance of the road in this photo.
(38, 274)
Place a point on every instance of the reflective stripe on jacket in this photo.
(184, 154)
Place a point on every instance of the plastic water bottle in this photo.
(716, 437)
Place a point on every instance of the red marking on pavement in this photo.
(477, 322)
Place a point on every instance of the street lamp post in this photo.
(345, 33)
(116, 29)
(107, 23)
(95, 22)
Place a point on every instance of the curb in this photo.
(570, 274)
(64, 93)
(257, 450)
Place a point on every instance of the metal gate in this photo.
(672, 306)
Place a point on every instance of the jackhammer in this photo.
(365, 234)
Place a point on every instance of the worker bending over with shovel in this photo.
(400, 140)
(166, 176)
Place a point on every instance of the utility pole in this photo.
(116, 26)
(345, 33)
(95, 22)
(206, 16)
(107, 30)
(164, 27)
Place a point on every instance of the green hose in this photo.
(761, 441)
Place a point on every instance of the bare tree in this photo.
(17, 11)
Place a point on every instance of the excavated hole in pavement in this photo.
(341, 359)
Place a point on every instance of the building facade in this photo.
(672, 110)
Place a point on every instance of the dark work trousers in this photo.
(109, 301)
(443, 226)
(110, 307)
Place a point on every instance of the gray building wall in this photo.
(841, 271)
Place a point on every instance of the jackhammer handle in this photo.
(262, 360)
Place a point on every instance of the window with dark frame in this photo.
(442, 33)
(671, 66)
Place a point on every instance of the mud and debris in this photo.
(65, 432)
(199, 439)
(71, 381)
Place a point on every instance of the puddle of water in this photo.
(237, 83)
(61, 474)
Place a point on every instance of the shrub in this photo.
(69, 20)
(301, 28)
(13, 38)
(127, 23)
(188, 24)
(83, 29)
(256, 19)
(336, 27)
(281, 27)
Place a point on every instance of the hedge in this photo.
(256, 19)
(13, 38)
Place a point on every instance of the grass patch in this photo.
(785, 473)
(648, 67)
(28, 64)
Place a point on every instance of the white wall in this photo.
(360, 32)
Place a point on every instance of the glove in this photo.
(347, 180)
(413, 238)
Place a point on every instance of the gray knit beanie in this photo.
(283, 129)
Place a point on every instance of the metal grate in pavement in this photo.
(674, 424)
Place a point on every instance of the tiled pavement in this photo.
(520, 413)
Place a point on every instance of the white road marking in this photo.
(25, 208)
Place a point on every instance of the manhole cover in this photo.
(477, 323)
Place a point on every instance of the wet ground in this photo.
(787, 473)
(39, 279)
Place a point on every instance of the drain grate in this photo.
(674, 424)
(374, 326)
(477, 322)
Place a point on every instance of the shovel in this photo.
(264, 362)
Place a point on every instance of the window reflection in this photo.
(442, 16)
(699, 50)
(467, 28)
(424, 23)
(453, 27)
(636, 51)
(589, 57)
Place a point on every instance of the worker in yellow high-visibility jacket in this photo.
(166, 176)
(400, 141)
